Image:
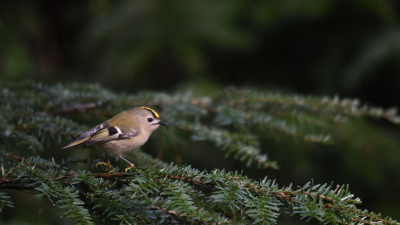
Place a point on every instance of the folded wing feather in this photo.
(104, 133)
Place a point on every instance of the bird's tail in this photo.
(78, 141)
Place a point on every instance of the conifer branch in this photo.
(254, 195)
(5, 201)
(31, 121)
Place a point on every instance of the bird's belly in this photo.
(123, 146)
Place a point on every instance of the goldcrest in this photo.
(123, 133)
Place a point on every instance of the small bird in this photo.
(123, 133)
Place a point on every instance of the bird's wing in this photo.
(85, 136)
(103, 132)
(113, 133)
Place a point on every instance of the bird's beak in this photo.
(162, 123)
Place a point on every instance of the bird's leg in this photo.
(131, 164)
(105, 164)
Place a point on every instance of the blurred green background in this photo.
(330, 47)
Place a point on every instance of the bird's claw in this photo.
(126, 170)
(104, 164)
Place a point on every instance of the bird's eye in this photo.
(149, 119)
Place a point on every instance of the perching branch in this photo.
(333, 199)
(37, 117)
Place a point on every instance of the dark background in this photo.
(330, 47)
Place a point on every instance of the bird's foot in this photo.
(104, 164)
(126, 170)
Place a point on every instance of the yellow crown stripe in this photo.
(151, 110)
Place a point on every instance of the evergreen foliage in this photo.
(34, 116)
